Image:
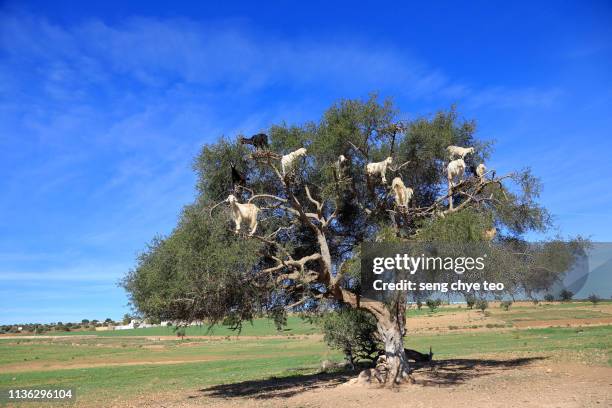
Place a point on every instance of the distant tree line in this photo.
(41, 328)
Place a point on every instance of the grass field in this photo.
(259, 327)
(113, 366)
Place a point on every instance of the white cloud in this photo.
(228, 58)
(92, 271)
(105, 119)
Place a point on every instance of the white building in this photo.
(135, 323)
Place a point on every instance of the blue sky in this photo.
(103, 107)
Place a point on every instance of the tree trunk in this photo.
(391, 324)
(391, 328)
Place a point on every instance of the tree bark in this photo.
(391, 324)
(391, 328)
(391, 320)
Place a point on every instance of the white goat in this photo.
(341, 163)
(288, 160)
(379, 168)
(481, 169)
(456, 151)
(243, 212)
(403, 194)
(456, 168)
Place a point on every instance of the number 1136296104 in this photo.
(37, 394)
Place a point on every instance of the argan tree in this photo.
(313, 221)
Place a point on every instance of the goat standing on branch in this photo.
(238, 178)
(455, 169)
(460, 152)
(259, 141)
(288, 160)
(309, 246)
(373, 169)
(402, 193)
(481, 169)
(243, 212)
(341, 167)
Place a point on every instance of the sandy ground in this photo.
(600, 321)
(474, 320)
(486, 382)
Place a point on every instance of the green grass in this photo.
(83, 362)
(117, 350)
(231, 361)
(247, 359)
(105, 384)
(298, 326)
(259, 327)
(516, 341)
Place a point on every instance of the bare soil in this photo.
(125, 362)
(484, 382)
(443, 322)
(597, 321)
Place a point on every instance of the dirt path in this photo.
(601, 321)
(465, 383)
(84, 363)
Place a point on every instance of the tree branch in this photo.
(394, 169)
(359, 149)
(317, 204)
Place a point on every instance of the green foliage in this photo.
(482, 305)
(62, 327)
(200, 272)
(549, 297)
(351, 331)
(433, 304)
(547, 261)
(566, 295)
(213, 168)
(593, 298)
(425, 147)
(279, 317)
(463, 226)
(505, 305)
(180, 332)
(470, 300)
(518, 210)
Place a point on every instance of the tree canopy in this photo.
(313, 221)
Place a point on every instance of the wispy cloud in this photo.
(227, 58)
(92, 271)
(99, 123)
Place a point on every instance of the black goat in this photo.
(418, 357)
(259, 140)
(410, 355)
(238, 178)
